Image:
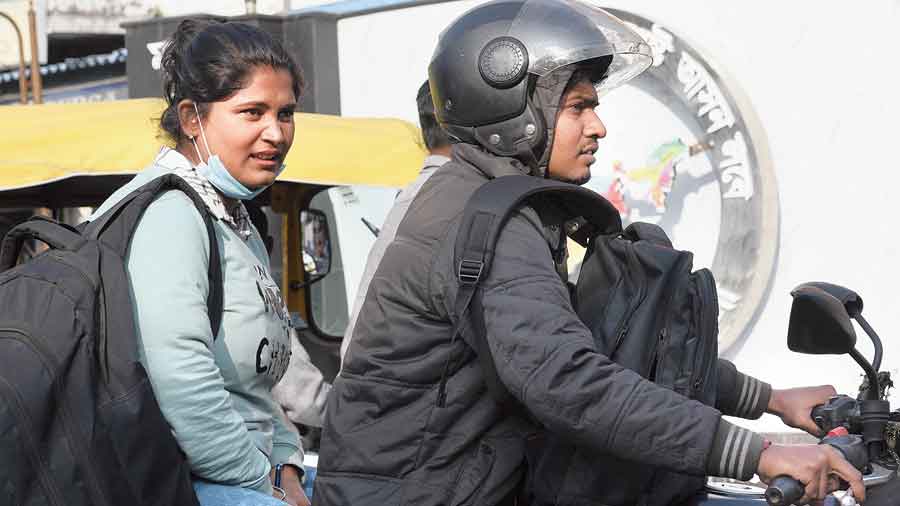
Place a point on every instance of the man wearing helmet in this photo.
(409, 420)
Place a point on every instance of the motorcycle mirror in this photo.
(820, 321)
(851, 300)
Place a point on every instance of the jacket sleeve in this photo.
(302, 391)
(740, 395)
(169, 287)
(286, 445)
(546, 357)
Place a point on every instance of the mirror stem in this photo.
(870, 373)
(876, 363)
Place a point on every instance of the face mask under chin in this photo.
(218, 175)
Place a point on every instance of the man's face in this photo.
(575, 138)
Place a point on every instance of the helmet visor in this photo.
(558, 33)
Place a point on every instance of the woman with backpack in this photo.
(231, 92)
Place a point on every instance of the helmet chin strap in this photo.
(547, 99)
(541, 164)
(534, 151)
(525, 154)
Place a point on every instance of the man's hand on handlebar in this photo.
(794, 405)
(812, 465)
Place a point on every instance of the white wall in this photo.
(384, 58)
(131, 9)
(823, 80)
(227, 7)
(106, 16)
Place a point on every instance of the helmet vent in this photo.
(503, 62)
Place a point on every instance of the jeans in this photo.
(213, 494)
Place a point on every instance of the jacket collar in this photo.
(492, 166)
(435, 160)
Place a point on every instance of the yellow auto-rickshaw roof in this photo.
(44, 143)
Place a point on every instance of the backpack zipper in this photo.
(666, 319)
(34, 455)
(100, 312)
(705, 285)
(634, 266)
(80, 452)
(61, 259)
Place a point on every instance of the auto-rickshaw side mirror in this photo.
(316, 244)
(819, 323)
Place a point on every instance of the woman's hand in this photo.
(292, 486)
(794, 406)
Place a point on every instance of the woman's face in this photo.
(252, 130)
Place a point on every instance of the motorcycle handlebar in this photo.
(818, 415)
(784, 491)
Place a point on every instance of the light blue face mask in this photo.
(218, 175)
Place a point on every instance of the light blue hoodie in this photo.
(214, 393)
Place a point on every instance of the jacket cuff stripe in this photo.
(746, 393)
(744, 385)
(755, 401)
(728, 440)
(754, 398)
(742, 460)
(735, 452)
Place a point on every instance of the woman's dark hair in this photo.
(207, 61)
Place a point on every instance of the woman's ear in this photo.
(187, 118)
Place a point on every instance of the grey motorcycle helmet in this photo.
(486, 64)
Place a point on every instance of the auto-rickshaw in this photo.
(63, 157)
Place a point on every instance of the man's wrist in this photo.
(776, 403)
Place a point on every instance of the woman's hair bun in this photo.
(173, 53)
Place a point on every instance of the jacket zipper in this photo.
(12, 396)
(634, 266)
(80, 451)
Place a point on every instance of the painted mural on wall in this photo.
(684, 151)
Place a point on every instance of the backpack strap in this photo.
(116, 228)
(55, 235)
(484, 217)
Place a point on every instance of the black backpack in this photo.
(79, 424)
(646, 310)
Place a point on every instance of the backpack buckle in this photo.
(470, 271)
